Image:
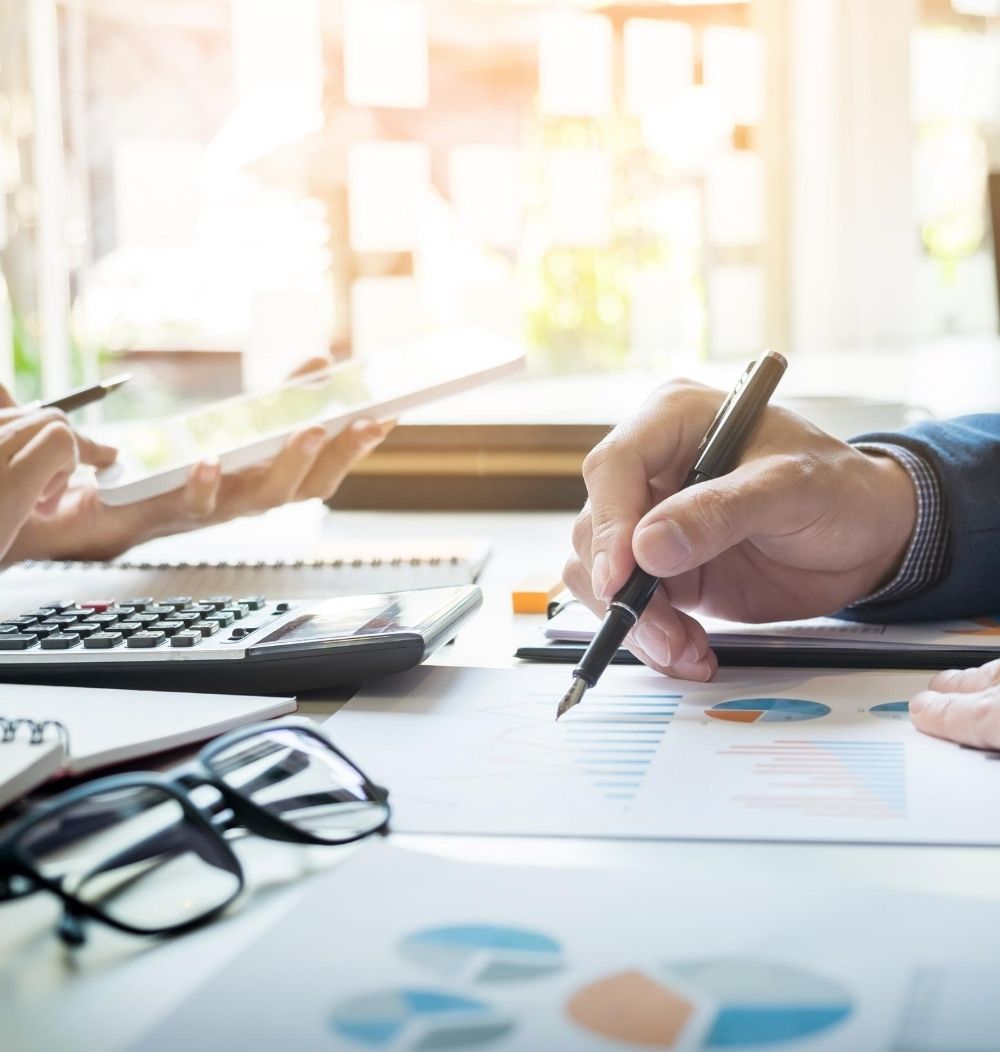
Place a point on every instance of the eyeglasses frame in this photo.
(177, 784)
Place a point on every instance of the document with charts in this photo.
(767, 754)
(398, 950)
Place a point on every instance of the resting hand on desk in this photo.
(74, 524)
(804, 526)
(963, 706)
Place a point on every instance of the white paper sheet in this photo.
(575, 623)
(760, 755)
(398, 950)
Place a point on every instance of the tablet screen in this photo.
(412, 373)
(217, 428)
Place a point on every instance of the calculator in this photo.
(248, 644)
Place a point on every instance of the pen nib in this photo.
(572, 697)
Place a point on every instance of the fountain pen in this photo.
(718, 454)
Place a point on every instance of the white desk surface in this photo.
(104, 996)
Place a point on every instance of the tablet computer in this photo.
(155, 457)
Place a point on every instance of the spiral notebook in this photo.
(50, 731)
(328, 568)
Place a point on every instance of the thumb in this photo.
(693, 526)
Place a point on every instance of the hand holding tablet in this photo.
(156, 457)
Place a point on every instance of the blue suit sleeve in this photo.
(965, 455)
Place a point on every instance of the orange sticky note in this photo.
(533, 595)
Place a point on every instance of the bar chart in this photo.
(823, 778)
(613, 739)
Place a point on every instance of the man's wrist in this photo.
(899, 510)
(920, 562)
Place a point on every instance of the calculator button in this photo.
(60, 641)
(21, 622)
(66, 619)
(42, 612)
(138, 603)
(128, 628)
(159, 610)
(145, 619)
(281, 608)
(217, 601)
(176, 601)
(205, 628)
(125, 611)
(103, 640)
(81, 629)
(185, 639)
(185, 617)
(97, 605)
(252, 602)
(239, 633)
(6, 630)
(41, 630)
(238, 612)
(61, 604)
(17, 642)
(198, 608)
(222, 618)
(168, 628)
(101, 620)
(145, 640)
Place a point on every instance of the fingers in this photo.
(39, 453)
(967, 680)
(694, 526)
(284, 477)
(670, 640)
(677, 644)
(200, 495)
(339, 455)
(658, 442)
(94, 453)
(962, 705)
(618, 497)
(317, 364)
(967, 718)
(6, 398)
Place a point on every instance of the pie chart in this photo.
(767, 710)
(718, 1003)
(425, 1019)
(891, 710)
(484, 953)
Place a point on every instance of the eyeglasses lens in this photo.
(133, 854)
(295, 776)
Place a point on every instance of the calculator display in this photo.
(353, 618)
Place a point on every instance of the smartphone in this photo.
(155, 457)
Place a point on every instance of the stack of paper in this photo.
(821, 641)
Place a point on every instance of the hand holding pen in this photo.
(717, 454)
(805, 524)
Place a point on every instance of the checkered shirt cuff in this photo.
(924, 559)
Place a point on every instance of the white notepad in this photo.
(324, 569)
(106, 727)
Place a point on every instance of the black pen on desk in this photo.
(718, 454)
(86, 395)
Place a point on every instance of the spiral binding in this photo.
(251, 564)
(11, 730)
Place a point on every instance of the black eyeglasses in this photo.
(149, 854)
